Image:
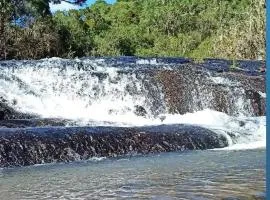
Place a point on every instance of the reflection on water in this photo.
(191, 175)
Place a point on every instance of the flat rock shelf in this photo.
(29, 146)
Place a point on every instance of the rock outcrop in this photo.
(192, 88)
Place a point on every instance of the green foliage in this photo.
(74, 32)
(190, 28)
(44, 40)
(27, 29)
(117, 41)
(244, 38)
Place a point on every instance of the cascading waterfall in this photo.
(136, 93)
(82, 94)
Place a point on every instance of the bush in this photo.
(36, 41)
(244, 39)
(194, 28)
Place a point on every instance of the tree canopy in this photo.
(190, 28)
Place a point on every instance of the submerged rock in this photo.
(7, 112)
(21, 147)
(140, 111)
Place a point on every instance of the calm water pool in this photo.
(191, 175)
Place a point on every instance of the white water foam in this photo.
(241, 132)
(72, 94)
(147, 61)
(262, 94)
(223, 81)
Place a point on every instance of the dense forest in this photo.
(188, 28)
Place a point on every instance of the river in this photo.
(132, 128)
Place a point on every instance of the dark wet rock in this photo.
(257, 102)
(233, 198)
(162, 118)
(248, 67)
(34, 122)
(193, 88)
(2, 115)
(253, 197)
(28, 146)
(256, 83)
(241, 123)
(140, 111)
(259, 196)
(7, 112)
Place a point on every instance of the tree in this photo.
(189, 28)
(23, 12)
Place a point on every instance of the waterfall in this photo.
(132, 92)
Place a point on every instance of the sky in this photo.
(68, 6)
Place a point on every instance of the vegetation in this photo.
(191, 28)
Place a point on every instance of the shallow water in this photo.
(211, 174)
